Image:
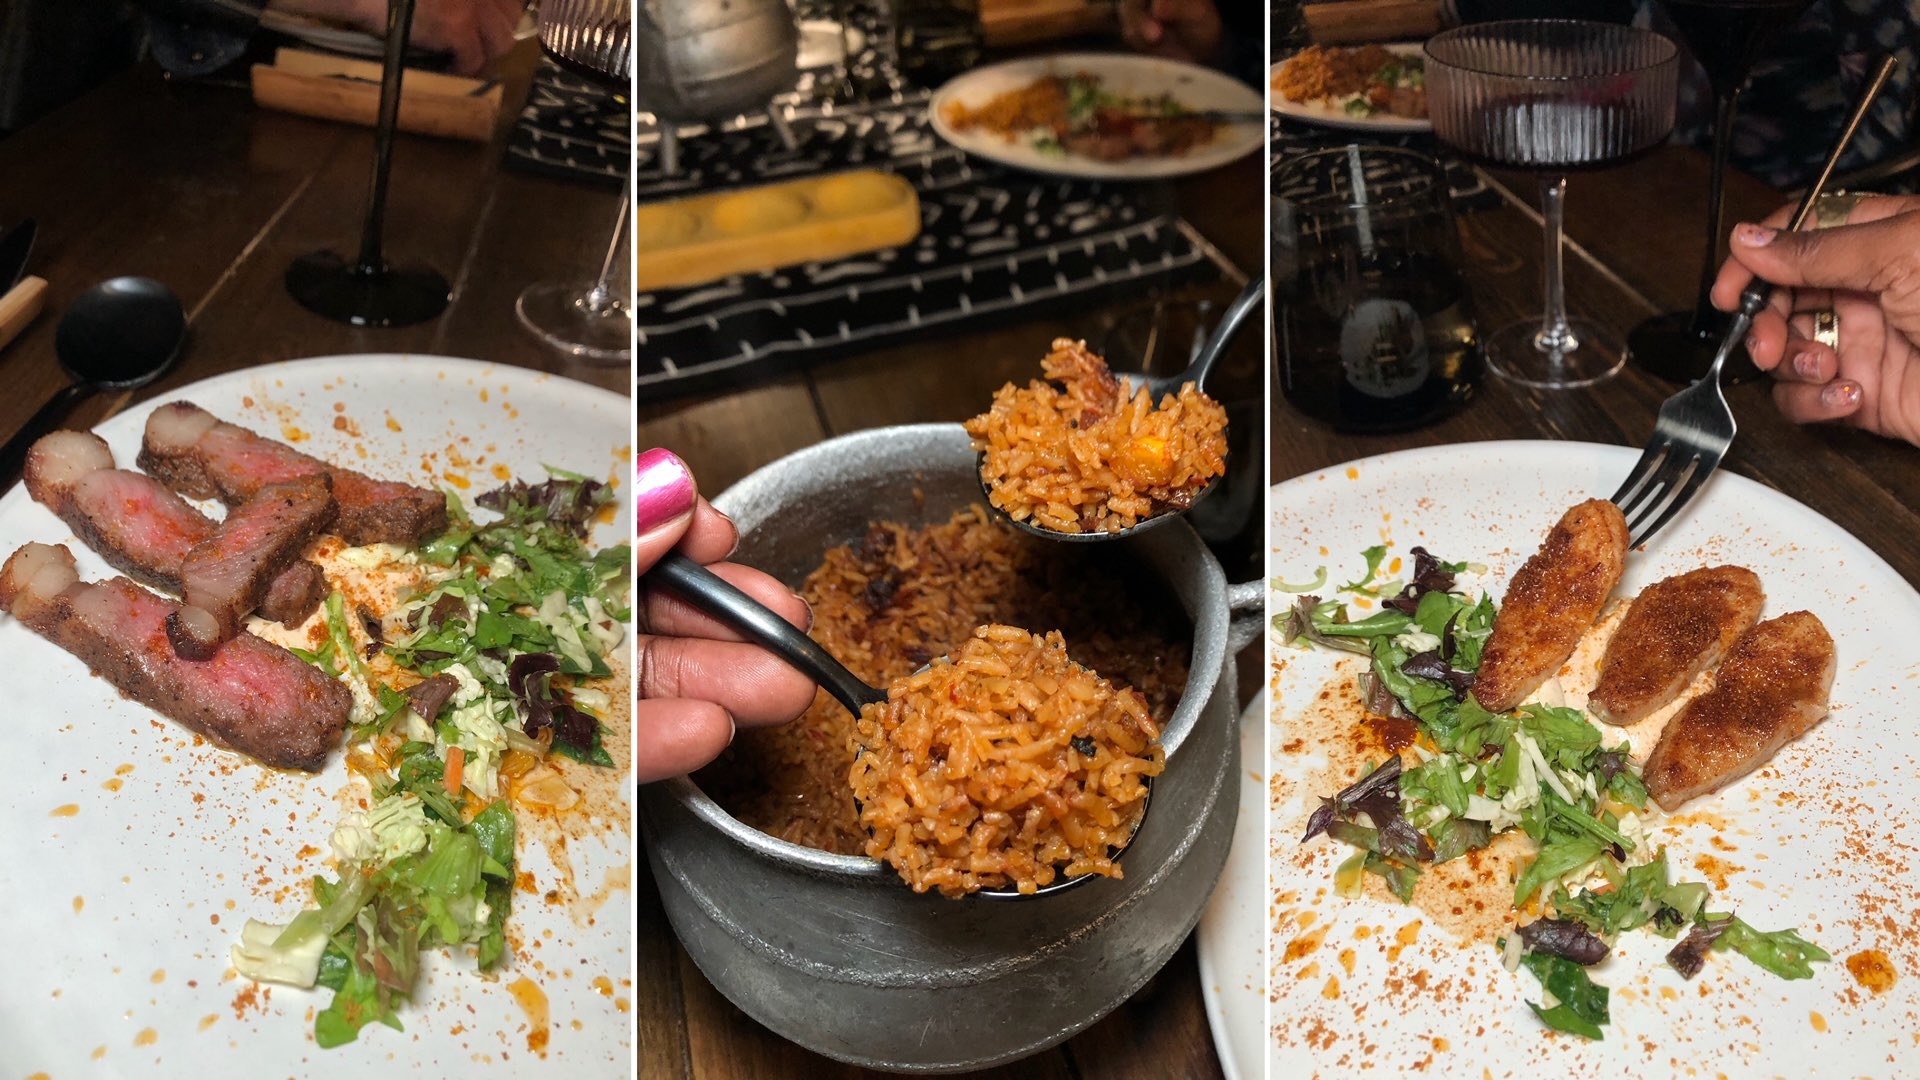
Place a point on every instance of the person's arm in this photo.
(193, 37)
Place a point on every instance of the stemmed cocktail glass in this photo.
(1552, 96)
(593, 38)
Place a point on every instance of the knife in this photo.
(15, 245)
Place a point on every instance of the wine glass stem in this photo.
(1555, 335)
(601, 297)
(1705, 319)
(399, 23)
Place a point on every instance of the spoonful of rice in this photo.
(1086, 456)
(1004, 770)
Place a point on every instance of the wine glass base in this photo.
(333, 288)
(559, 315)
(1668, 346)
(1512, 354)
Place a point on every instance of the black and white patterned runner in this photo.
(572, 129)
(993, 241)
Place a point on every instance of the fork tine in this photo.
(1655, 489)
(1643, 469)
(1684, 491)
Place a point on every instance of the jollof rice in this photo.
(889, 603)
(1002, 767)
(1092, 454)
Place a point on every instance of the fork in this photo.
(1696, 426)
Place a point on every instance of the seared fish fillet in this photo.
(1675, 630)
(1553, 601)
(1772, 688)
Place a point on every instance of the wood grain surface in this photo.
(195, 186)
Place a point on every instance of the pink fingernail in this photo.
(1752, 235)
(1807, 363)
(663, 489)
(1841, 395)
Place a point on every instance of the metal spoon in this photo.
(714, 595)
(1159, 386)
(121, 334)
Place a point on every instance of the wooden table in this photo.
(1635, 237)
(193, 185)
(686, 1028)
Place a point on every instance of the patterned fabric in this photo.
(1802, 89)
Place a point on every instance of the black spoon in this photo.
(120, 334)
(1159, 386)
(714, 595)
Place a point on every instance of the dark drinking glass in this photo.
(938, 39)
(1372, 323)
(1727, 37)
(1552, 96)
(370, 290)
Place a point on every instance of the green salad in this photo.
(1472, 775)
(508, 620)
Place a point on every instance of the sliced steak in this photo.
(139, 526)
(251, 696)
(225, 576)
(203, 457)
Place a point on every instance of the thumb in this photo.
(1866, 258)
(663, 499)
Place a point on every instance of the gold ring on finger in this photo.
(1826, 329)
(1835, 207)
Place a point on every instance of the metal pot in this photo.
(832, 951)
(713, 59)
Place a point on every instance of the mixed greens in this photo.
(516, 613)
(1471, 775)
(1401, 72)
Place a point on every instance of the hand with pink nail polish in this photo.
(1867, 272)
(697, 680)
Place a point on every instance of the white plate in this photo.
(1825, 838)
(1315, 112)
(1233, 929)
(1195, 87)
(130, 857)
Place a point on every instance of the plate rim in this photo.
(1253, 724)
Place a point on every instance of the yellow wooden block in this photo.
(703, 238)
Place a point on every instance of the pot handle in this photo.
(714, 595)
(1247, 618)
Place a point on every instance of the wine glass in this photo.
(371, 291)
(1551, 96)
(1727, 37)
(594, 39)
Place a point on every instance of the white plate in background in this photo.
(1197, 88)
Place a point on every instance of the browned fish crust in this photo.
(1552, 602)
(1675, 630)
(1772, 689)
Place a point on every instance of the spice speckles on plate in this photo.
(195, 840)
(1783, 847)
